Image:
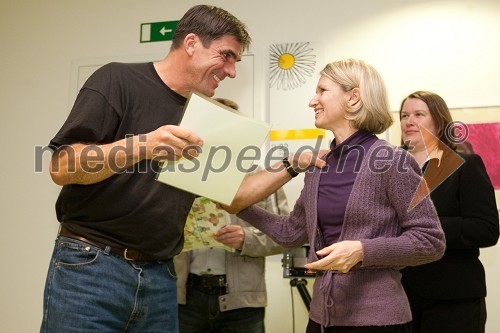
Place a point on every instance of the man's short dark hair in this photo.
(210, 23)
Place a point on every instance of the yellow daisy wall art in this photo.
(291, 64)
(293, 74)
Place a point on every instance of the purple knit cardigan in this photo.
(377, 214)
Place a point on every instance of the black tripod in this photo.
(304, 293)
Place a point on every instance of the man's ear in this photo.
(190, 42)
(354, 96)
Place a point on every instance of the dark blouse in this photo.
(337, 179)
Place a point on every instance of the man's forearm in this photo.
(88, 164)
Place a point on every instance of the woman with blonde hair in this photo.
(354, 212)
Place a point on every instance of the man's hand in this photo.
(232, 236)
(90, 163)
(340, 257)
(172, 142)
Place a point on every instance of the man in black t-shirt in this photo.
(112, 267)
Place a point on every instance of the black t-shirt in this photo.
(130, 209)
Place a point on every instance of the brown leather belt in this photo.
(128, 254)
(207, 281)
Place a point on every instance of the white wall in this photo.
(449, 47)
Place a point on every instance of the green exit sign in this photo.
(157, 31)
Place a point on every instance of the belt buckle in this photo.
(221, 281)
(214, 282)
(125, 255)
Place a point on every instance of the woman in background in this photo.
(448, 295)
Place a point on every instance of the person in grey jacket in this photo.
(357, 212)
(221, 291)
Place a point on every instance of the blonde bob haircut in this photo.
(372, 112)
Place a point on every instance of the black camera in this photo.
(294, 260)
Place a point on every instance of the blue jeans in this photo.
(90, 290)
(201, 314)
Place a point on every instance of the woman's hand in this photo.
(340, 257)
(308, 158)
